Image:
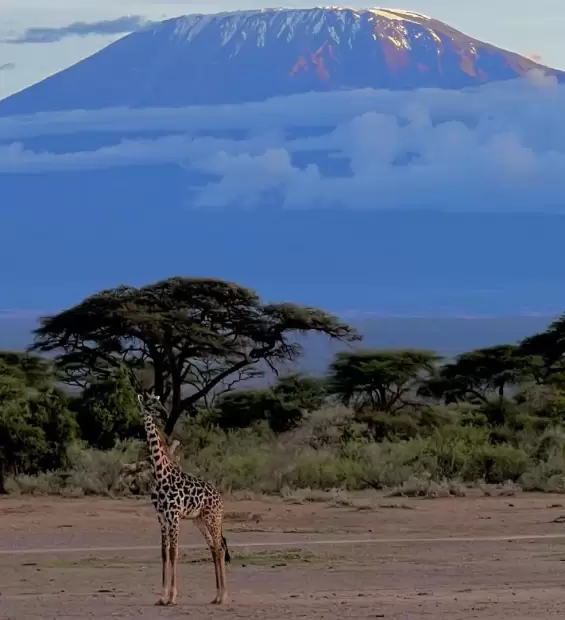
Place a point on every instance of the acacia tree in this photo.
(283, 406)
(380, 380)
(476, 374)
(547, 352)
(193, 333)
(305, 391)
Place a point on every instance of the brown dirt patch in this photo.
(364, 556)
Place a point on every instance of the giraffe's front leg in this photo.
(165, 564)
(173, 558)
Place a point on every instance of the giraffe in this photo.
(177, 496)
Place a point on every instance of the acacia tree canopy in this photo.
(31, 370)
(194, 333)
(472, 375)
(547, 350)
(379, 380)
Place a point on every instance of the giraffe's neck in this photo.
(158, 453)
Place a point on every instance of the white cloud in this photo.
(498, 147)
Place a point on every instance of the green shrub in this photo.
(107, 411)
(305, 392)
(36, 428)
(90, 472)
(386, 426)
(244, 408)
(328, 451)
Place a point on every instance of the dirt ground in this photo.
(365, 556)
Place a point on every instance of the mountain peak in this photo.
(281, 23)
(253, 55)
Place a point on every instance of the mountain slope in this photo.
(254, 55)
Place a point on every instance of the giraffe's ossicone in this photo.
(176, 496)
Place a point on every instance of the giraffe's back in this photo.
(198, 497)
(180, 495)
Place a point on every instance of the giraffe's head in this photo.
(151, 405)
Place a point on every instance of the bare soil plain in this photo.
(364, 556)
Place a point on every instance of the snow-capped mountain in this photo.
(196, 146)
(253, 55)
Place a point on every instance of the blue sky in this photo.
(520, 25)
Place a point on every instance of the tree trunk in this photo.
(176, 403)
(3, 490)
(179, 405)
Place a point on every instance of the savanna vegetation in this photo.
(221, 359)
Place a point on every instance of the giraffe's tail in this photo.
(227, 551)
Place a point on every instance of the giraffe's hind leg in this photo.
(210, 524)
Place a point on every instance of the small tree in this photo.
(283, 406)
(476, 375)
(107, 411)
(308, 393)
(546, 352)
(50, 412)
(380, 380)
(244, 408)
(36, 426)
(20, 441)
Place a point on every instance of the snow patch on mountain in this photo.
(262, 24)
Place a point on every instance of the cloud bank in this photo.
(500, 147)
(121, 25)
(8, 66)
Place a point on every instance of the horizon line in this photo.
(17, 313)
